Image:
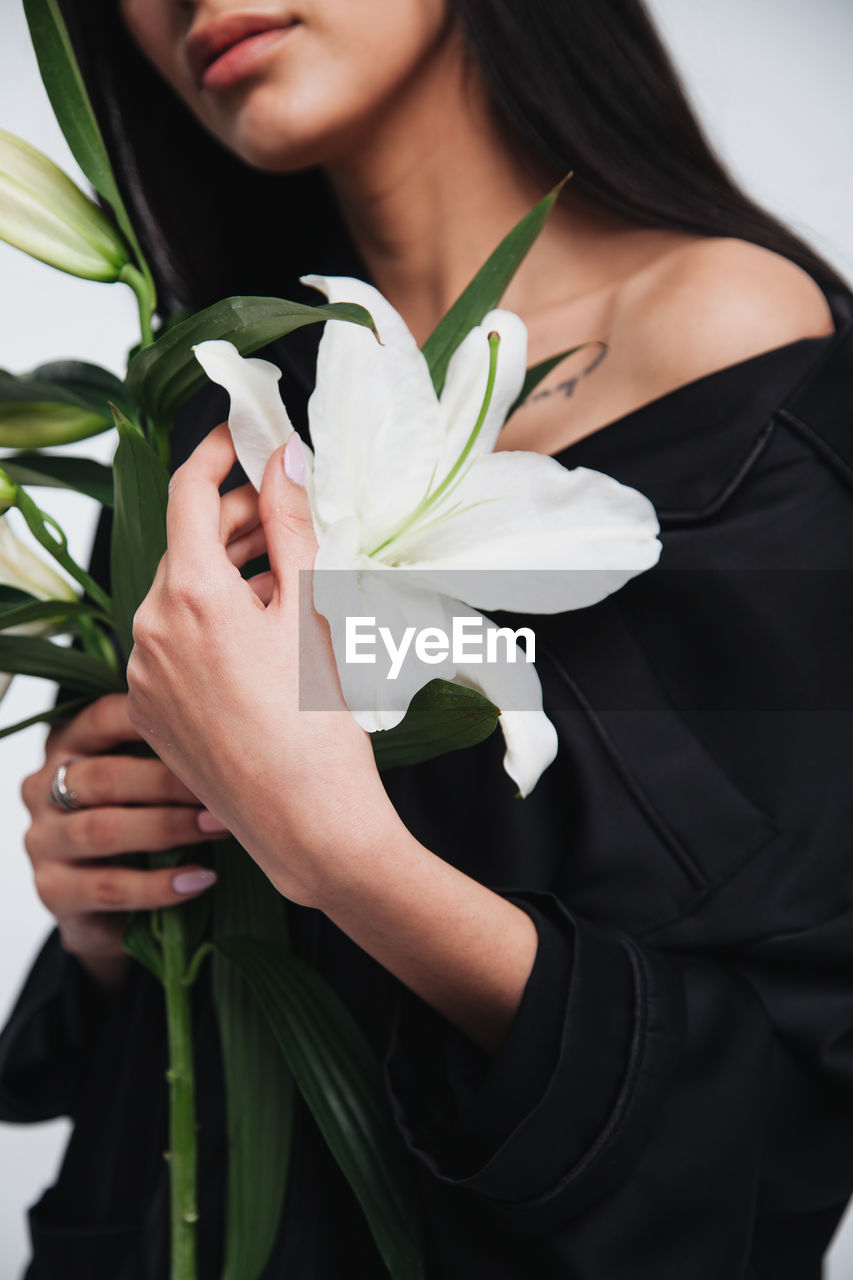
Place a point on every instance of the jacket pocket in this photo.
(679, 790)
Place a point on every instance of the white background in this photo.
(770, 78)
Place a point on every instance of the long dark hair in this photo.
(584, 85)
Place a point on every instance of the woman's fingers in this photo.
(194, 509)
(238, 513)
(104, 832)
(119, 780)
(263, 585)
(246, 547)
(103, 724)
(71, 891)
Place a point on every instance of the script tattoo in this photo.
(568, 385)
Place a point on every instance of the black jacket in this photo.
(674, 1100)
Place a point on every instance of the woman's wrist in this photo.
(462, 948)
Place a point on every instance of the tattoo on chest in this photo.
(568, 385)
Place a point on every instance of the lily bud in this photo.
(46, 215)
(8, 492)
(38, 425)
(20, 567)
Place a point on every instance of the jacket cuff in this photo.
(555, 1117)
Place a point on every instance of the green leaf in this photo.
(139, 525)
(485, 291)
(140, 943)
(55, 611)
(32, 656)
(13, 597)
(59, 712)
(68, 96)
(441, 717)
(83, 475)
(67, 382)
(73, 110)
(163, 376)
(258, 1084)
(537, 372)
(342, 1084)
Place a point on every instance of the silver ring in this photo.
(60, 794)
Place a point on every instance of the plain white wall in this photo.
(772, 82)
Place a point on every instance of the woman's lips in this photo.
(242, 58)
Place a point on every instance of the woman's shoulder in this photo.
(711, 302)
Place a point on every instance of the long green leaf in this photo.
(72, 107)
(68, 97)
(55, 611)
(58, 712)
(32, 656)
(486, 289)
(163, 376)
(342, 1085)
(139, 526)
(441, 717)
(83, 475)
(13, 598)
(258, 1084)
(66, 382)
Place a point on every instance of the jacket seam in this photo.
(649, 811)
(818, 444)
(674, 515)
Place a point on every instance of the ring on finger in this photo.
(60, 793)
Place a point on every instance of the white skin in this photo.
(385, 99)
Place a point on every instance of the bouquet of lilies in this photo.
(410, 499)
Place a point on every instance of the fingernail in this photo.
(294, 460)
(193, 881)
(205, 821)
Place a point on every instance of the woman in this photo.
(616, 1018)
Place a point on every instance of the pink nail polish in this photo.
(294, 460)
(207, 822)
(193, 881)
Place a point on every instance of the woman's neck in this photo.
(436, 187)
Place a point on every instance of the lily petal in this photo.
(528, 514)
(21, 567)
(467, 375)
(514, 687)
(375, 419)
(257, 417)
(381, 599)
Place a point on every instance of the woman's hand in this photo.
(216, 670)
(126, 804)
(215, 681)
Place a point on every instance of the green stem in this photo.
(142, 285)
(181, 1078)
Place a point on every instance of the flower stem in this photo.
(181, 1078)
(141, 284)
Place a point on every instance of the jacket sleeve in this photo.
(49, 1037)
(676, 1099)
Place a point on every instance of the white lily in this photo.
(404, 480)
(22, 568)
(46, 215)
